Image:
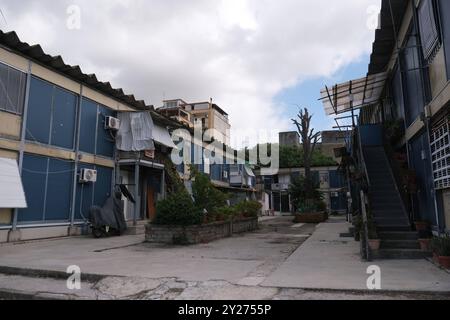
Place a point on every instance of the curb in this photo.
(59, 275)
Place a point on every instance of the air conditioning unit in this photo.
(112, 123)
(88, 175)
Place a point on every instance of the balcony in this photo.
(280, 186)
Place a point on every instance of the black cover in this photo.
(111, 215)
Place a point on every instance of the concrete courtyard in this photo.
(280, 261)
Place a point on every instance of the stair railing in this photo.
(364, 201)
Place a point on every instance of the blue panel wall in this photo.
(88, 126)
(48, 189)
(39, 111)
(445, 26)
(371, 135)
(34, 182)
(423, 202)
(59, 190)
(105, 142)
(336, 179)
(64, 119)
(103, 186)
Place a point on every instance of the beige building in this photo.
(205, 114)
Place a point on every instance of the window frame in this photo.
(25, 77)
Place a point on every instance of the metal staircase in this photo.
(398, 240)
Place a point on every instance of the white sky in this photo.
(242, 53)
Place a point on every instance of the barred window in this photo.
(12, 89)
(440, 152)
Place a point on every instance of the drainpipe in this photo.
(23, 136)
(77, 154)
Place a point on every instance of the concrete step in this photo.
(135, 230)
(400, 244)
(396, 235)
(402, 254)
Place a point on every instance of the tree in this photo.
(309, 142)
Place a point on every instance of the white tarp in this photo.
(136, 132)
(162, 136)
(12, 194)
(249, 171)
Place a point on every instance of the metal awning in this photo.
(354, 94)
(162, 136)
(12, 195)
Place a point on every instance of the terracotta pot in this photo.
(421, 226)
(374, 244)
(425, 245)
(444, 262)
(435, 258)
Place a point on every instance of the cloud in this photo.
(242, 53)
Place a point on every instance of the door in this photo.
(151, 208)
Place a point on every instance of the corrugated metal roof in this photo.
(36, 53)
(384, 43)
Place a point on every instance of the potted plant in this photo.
(421, 225)
(425, 239)
(441, 247)
(374, 241)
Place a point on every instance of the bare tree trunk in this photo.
(309, 141)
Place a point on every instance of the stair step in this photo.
(400, 254)
(392, 235)
(391, 221)
(386, 206)
(393, 228)
(388, 213)
(400, 244)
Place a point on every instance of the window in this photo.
(413, 80)
(12, 89)
(444, 9)
(428, 29)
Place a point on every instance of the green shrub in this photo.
(248, 209)
(206, 196)
(178, 209)
(305, 196)
(225, 213)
